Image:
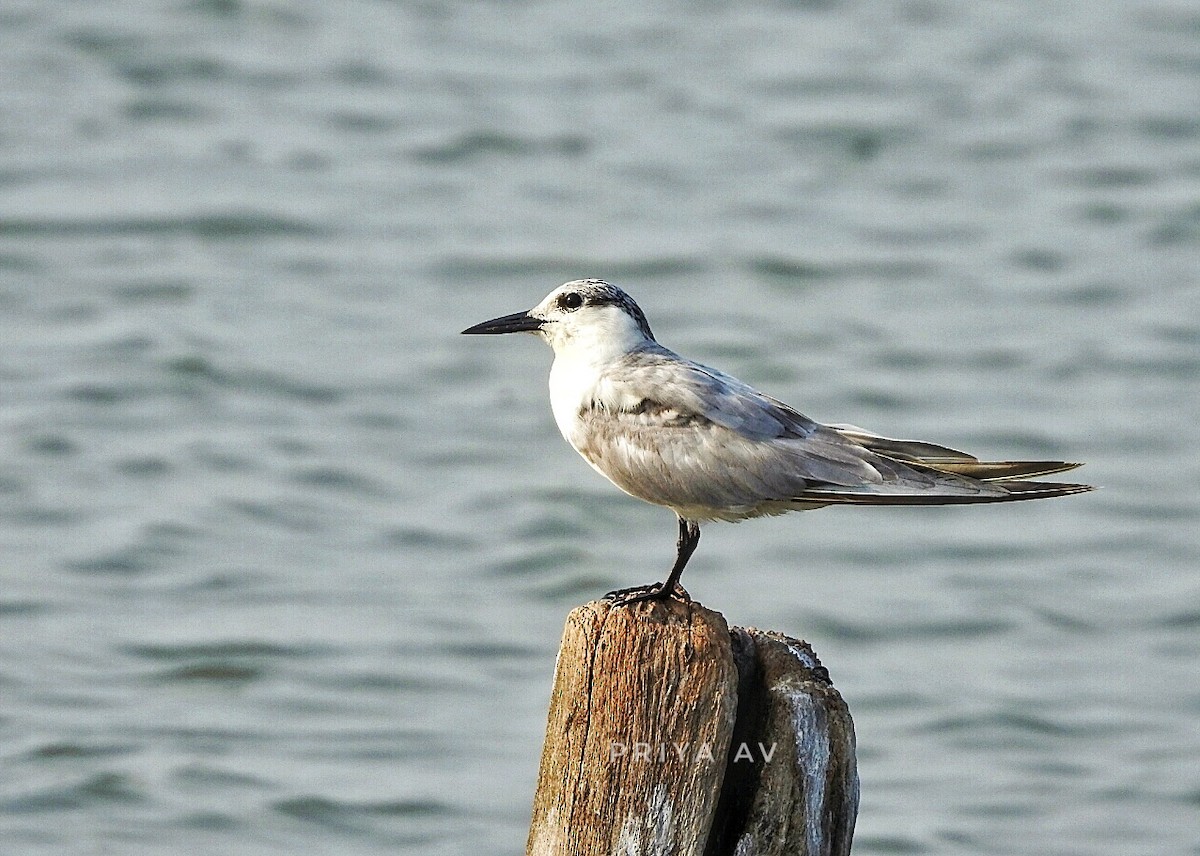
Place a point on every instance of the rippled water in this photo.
(285, 559)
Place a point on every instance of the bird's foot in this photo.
(654, 591)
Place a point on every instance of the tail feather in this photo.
(993, 470)
(1012, 490)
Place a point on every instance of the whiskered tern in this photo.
(709, 447)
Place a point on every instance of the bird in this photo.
(709, 447)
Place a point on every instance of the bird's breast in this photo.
(572, 386)
(577, 390)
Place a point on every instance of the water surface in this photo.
(285, 559)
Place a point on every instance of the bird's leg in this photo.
(689, 537)
(685, 545)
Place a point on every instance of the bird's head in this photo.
(584, 314)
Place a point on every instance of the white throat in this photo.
(585, 346)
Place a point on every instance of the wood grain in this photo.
(668, 734)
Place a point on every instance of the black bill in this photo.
(519, 322)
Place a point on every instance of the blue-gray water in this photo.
(285, 560)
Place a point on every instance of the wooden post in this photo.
(668, 734)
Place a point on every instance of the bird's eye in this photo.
(570, 301)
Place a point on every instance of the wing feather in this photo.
(679, 434)
(950, 460)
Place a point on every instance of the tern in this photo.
(709, 447)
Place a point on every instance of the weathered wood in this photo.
(795, 789)
(640, 720)
(668, 734)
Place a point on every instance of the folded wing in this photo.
(710, 446)
(950, 460)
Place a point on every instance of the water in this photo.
(285, 559)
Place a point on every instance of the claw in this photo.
(654, 591)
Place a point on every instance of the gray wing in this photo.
(666, 379)
(671, 391)
(690, 436)
(694, 438)
(950, 460)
